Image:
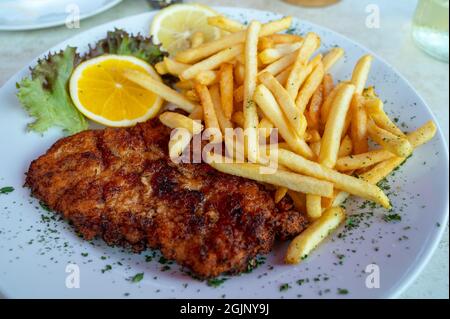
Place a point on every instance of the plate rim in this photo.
(418, 267)
(25, 27)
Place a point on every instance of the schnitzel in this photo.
(120, 184)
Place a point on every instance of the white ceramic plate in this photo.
(35, 250)
(38, 14)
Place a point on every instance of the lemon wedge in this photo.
(173, 26)
(100, 91)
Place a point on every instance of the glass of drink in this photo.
(430, 27)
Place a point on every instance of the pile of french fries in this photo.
(257, 77)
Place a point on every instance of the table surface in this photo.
(391, 40)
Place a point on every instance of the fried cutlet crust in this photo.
(121, 185)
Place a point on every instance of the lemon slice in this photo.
(173, 26)
(102, 94)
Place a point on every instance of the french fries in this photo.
(309, 87)
(207, 49)
(358, 124)
(260, 82)
(341, 181)
(212, 62)
(249, 108)
(177, 120)
(285, 101)
(374, 108)
(309, 45)
(331, 138)
(281, 178)
(395, 144)
(266, 101)
(362, 160)
(270, 55)
(225, 24)
(331, 58)
(160, 89)
(226, 89)
(312, 236)
(209, 113)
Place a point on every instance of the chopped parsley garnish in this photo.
(45, 207)
(138, 277)
(84, 254)
(342, 291)
(285, 287)
(6, 190)
(107, 267)
(215, 282)
(392, 218)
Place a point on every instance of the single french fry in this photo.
(309, 45)
(266, 127)
(224, 123)
(174, 67)
(226, 24)
(328, 85)
(299, 200)
(361, 73)
(281, 64)
(207, 77)
(279, 38)
(161, 68)
(197, 39)
(314, 108)
(209, 113)
(375, 109)
(160, 89)
(178, 143)
(185, 85)
(238, 94)
(239, 73)
(238, 118)
(280, 178)
(279, 194)
(326, 106)
(311, 84)
(266, 101)
(207, 49)
(226, 89)
(358, 129)
(306, 71)
(341, 181)
(249, 108)
(362, 160)
(272, 54)
(311, 237)
(332, 134)
(346, 147)
(176, 120)
(331, 58)
(284, 100)
(418, 137)
(397, 145)
(212, 62)
(313, 206)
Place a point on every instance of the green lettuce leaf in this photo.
(122, 43)
(45, 95)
